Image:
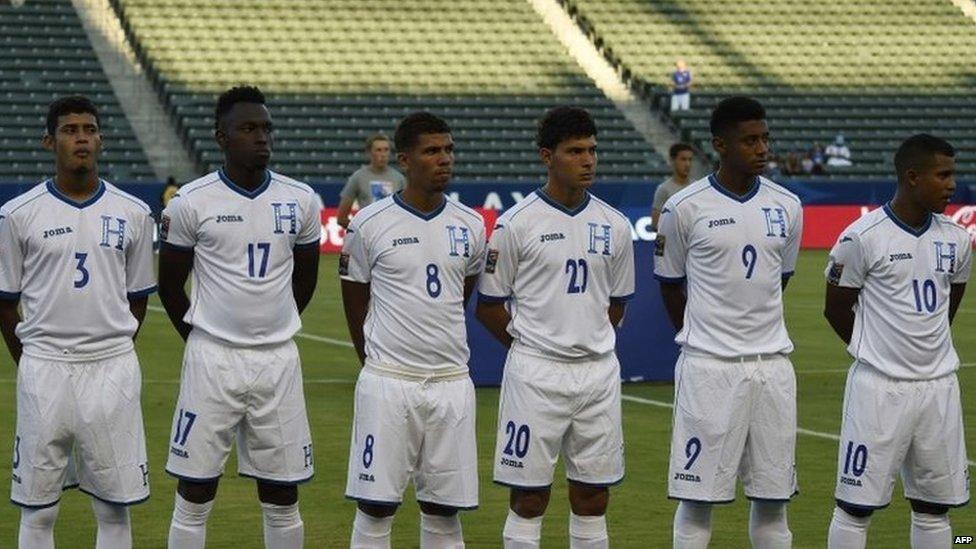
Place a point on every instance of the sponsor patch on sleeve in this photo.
(834, 274)
(343, 264)
(164, 227)
(491, 261)
(659, 245)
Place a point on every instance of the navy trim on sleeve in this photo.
(621, 298)
(142, 293)
(492, 298)
(787, 275)
(169, 246)
(10, 296)
(308, 246)
(670, 279)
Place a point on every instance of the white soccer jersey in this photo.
(733, 252)
(415, 264)
(73, 267)
(901, 325)
(243, 243)
(559, 269)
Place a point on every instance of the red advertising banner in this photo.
(332, 233)
(822, 225)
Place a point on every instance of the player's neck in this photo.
(680, 180)
(908, 213)
(420, 200)
(77, 187)
(376, 169)
(567, 196)
(736, 183)
(245, 178)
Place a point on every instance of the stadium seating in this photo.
(875, 71)
(337, 71)
(44, 53)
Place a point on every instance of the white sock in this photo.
(931, 531)
(439, 532)
(588, 532)
(188, 530)
(847, 531)
(37, 528)
(768, 528)
(521, 533)
(692, 525)
(114, 527)
(283, 527)
(369, 532)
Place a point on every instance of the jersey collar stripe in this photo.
(570, 212)
(241, 190)
(53, 189)
(908, 229)
(425, 216)
(743, 198)
(10, 296)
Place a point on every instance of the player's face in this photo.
(76, 142)
(430, 163)
(379, 154)
(934, 185)
(682, 164)
(246, 136)
(745, 149)
(572, 163)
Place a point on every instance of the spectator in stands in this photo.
(680, 87)
(774, 169)
(371, 182)
(169, 190)
(817, 160)
(794, 163)
(838, 154)
(681, 156)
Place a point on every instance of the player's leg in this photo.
(930, 525)
(114, 526)
(447, 475)
(283, 526)
(534, 413)
(692, 525)
(37, 527)
(587, 519)
(849, 527)
(194, 501)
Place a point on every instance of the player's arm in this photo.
(174, 268)
(305, 274)
(616, 312)
(137, 306)
(495, 318)
(675, 298)
(345, 207)
(9, 318)
(497, 282)
(355, 302)
(670, 255)
(839, 310)
(956, 292)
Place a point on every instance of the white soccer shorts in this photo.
(253, 394)
(892, 425)
(79, 421)
(552, 407)
(733, 418)
(408, 428)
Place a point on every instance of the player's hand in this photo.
(343, 222)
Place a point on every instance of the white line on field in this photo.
(801, 430)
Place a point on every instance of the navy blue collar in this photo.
(906, 227)
(56, 193)
(570, 212)
(743, 198)
(425, 216)
(241, 190)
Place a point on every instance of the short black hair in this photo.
(70, 104)
(732, 110)
(918, 150)
(238, 94)
(414, 125)
(562, 123)
(677, 148)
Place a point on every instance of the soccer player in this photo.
(559, 269)
(682, 156)
(250, 236)
(77, 256)
(894, 282)
(409, 264)
(725, 249)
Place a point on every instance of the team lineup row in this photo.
(552, 284)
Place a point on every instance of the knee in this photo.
(377, 511)
(197, 492)
(853, 510)
(108, 513)
(277, 494)
(39, 519)
(920, 506)
(435, 509)
(588, 500)
(529, 503)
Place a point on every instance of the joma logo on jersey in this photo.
(366, 477)
(57, 232)
(850, 481)
(945, 257)
(457, 237)
(178, 452)
(280, 217)
(230, 219)
(552, 236)
(405, 241)
(598, 234)
(899, 257)
(687, 476)
(512, 463)
(720, 222)
(775, 222)
(108, 233)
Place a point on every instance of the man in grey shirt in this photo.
(682, 156)
(372, 182)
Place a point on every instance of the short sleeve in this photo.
(660, 195)
(11, 258)
(140, 278)
(477, 260)
(670, 248)
(847, 266)
(354, 263)
(792, 248)
(965, 266)
(178, 225)
(399, 181)
(622, 268)
(501, 262)
(351, 188)
(311, 227)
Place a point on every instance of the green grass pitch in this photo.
(640, 513)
